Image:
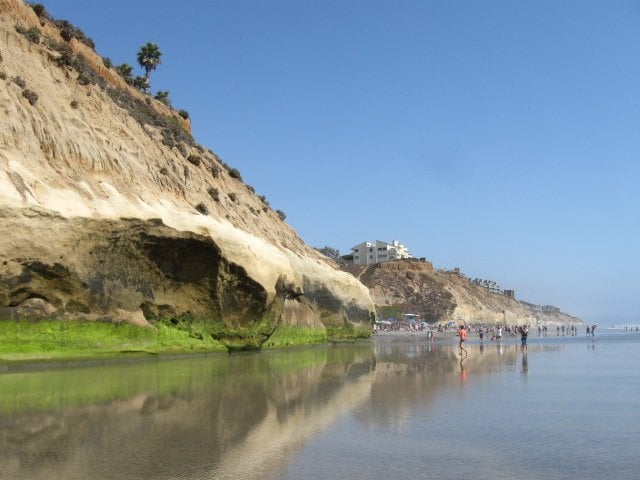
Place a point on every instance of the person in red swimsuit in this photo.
(462, 333)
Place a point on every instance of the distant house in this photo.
(541, 308)
(550, 309)
(453, 271)
(368, 253)
(489, 285)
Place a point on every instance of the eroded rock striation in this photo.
(110, 210)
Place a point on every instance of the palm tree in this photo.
(149, 58)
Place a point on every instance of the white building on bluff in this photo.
(367, 253)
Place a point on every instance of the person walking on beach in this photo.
(499, 333)
(481, 334)
(462, 333)
(524, 331)
(593, 331)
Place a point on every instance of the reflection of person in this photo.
(463, 371)
(462, 333)
(525, 362)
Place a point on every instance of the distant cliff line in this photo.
(414, 286)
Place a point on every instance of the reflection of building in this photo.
(367, 253)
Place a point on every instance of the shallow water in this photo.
(397, 407)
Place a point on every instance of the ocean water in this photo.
(395, 407)
(568, 408)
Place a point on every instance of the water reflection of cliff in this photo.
(191, 418)
(223, 417)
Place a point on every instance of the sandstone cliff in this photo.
(412, 286)
(110, 210)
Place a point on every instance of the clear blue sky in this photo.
(499, 137)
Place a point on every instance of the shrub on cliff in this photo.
(86, 71)
(32, 34)
(40, 11)
(328, 251)
(66, 54)
(83, 79)
(213, 193)
(235, 173)
(141, 83)
(19, 81)
(163, 96)
(125, 71)
(202, 208)
(172, 132)
(30, 95)
(194, 160)
(68, 32)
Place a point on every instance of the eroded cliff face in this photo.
(413, 286)
(110, 209)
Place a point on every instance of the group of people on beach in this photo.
(523, 330)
